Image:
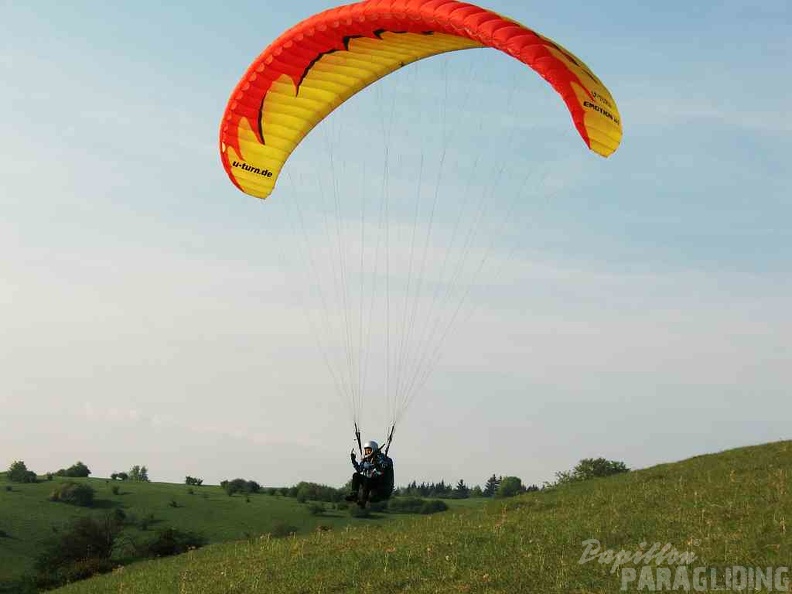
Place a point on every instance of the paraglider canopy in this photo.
(315, 67)
(321, 62)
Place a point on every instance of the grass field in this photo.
(27, 517)
(727, 509)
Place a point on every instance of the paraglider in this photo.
(373, 477)
(318, 64)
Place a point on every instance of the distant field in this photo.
(27, 517)
(728, 509)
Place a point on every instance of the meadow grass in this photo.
(730, 508)
(28, 518)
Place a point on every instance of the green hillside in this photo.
(727, 509)
(28, 518)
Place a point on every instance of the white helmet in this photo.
(371, 444)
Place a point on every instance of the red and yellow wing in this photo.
(321, 62)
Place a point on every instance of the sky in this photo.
(634, 308)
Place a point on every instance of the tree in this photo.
(191, 480)
(78, 552)
(589, 468)
(491, 486)
(509, 487)
(75, 470)
(239, 485)
(139, 473)
(461, 491)
(19, 473)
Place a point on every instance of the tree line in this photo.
(494, 486)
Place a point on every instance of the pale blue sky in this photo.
(641, 313)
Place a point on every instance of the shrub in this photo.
(416, 505)
(146, 521)
(73, 494)
(315, 492)
(590, 468)
(378, 506)
(509, 487)
(171, 541)
(432, 506)
(239, 485)
(359, 512)
(281, 529)
(19, 473)
(80, 551)
(75, 470)
(118, 516)
(316, 508)
(115, 489)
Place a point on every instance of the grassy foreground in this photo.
(727, 509)
(28, 518)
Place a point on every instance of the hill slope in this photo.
(27, 518)
(727, 509)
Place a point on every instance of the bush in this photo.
(118, 516)
(73, 494)
(405, 505)
(432, 506)
(77, 470)
(115, 489)
(19, 473)
(359, 512)
(378, 506)
(315, 492)
(316, 508)
(146, 521)
(171, 541)
(281, 529)
(509, 487)
(416, 505)
(239, 485)
(590, 468)
(80, 551)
